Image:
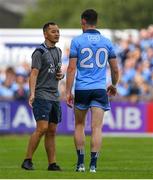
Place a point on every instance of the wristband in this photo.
(114, 86)
(63, 76)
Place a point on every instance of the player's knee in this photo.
(41, 131)
(79, 122)
(51, 130)
(95, 128)
(79, 126)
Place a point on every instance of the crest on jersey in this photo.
(94, 38)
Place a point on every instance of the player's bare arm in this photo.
(32, 84)
(111, 90)
(70, 79)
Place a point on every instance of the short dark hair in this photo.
(90, 15)
(47, 25)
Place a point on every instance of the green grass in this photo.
(120, 158)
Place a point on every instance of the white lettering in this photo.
(4, 116)
(119, 118)
(70, 119)
(109, 120)
(1, 118)
(132, 118)
(125, 118)
(22, 117)
(15, 55)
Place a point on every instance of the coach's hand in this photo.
(69, 99)
(59, 75)
(111, 90)
(31, 99)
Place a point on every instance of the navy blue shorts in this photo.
(85, 99)
(47, 110)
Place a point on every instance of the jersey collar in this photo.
(91, 31)
(44, 44)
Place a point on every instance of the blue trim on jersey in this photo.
(97, 104)
(91, 31)
(112, 56)
(85, 107)
(42, 46)
(72, 56)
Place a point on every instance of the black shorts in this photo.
(47, 110)
(85, 99)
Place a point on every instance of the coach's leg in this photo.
(50, 143)
(79, 136)
(96, 134)
(50, 147)
(41, 128)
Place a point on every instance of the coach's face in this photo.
(52, 33)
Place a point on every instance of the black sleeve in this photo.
(36, 59)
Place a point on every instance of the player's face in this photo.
(52, 33)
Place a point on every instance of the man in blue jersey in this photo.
(89, 54)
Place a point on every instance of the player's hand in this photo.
(31, 99)
(59, 75)
(69, 99)
(111, 90)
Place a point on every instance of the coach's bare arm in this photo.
(32, 84)
(111, 90)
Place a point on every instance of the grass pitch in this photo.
(120, 158)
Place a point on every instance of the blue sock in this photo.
(80, 154)
(94, 156)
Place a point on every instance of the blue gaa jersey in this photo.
(92, 51)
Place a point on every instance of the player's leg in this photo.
(79, 137)
(96, 135)
(99, 104)
(41, 128)
(81, 108)
(50, 144)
